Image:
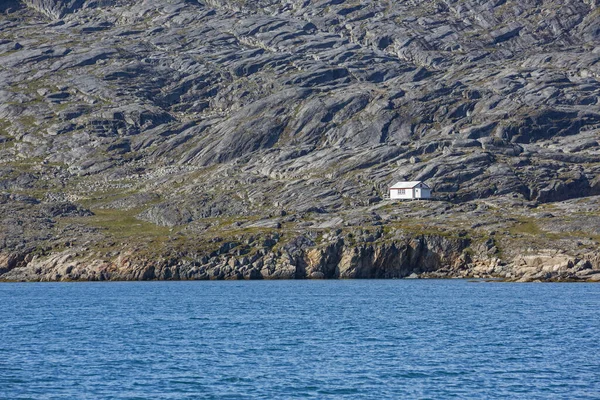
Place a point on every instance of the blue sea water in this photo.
(393, 339)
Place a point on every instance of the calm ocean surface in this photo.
(299, 339)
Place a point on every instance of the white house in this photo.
(410, 190)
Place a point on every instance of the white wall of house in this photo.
(402, 194)
(418, 191)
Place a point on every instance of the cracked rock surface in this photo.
(162, 129)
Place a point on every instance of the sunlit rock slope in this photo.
(171, 124)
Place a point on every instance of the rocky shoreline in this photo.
(380, 256)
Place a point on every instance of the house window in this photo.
(401, 191)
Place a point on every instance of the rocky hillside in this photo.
(179, 130)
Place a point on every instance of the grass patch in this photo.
(425, 230)
(526, 227)
(123, 224)
(531, 228)
(27, 121)
(98, 199)
(4, 124)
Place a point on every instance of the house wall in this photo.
(424, 194)
(421, 193)
(408, 194)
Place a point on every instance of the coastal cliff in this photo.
(374, 255)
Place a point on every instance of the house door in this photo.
(417, 193)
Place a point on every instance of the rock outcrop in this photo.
(128, 122)
(395, 255)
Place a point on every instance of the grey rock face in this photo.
(224, 109)
(65, 209)
(358, 87)
(53, 8)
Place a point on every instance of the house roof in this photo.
(406, 185)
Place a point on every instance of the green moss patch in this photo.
(123, 224)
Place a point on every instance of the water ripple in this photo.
(299, 340)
